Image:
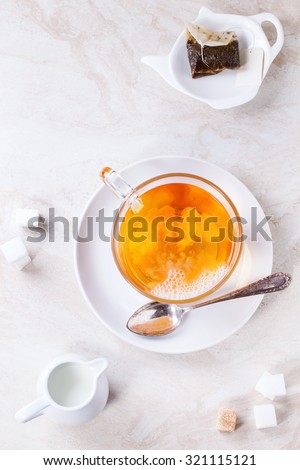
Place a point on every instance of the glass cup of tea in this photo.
(176, 238)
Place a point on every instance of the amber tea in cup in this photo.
(182, 243)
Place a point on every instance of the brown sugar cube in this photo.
(226, 420)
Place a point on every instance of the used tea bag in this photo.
(211, 52)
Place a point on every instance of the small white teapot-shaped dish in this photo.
(71, 389)
(229, 88)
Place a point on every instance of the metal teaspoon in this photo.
(157, 319)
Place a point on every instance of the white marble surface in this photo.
(74, 96)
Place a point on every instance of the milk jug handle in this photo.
(31, 411)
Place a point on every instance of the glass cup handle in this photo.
(121, 188)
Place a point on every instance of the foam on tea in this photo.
(175, 287)
(178, 246)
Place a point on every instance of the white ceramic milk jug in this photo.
(71, 389)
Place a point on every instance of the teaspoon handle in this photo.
(273, 283)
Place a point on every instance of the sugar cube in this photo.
(22, 262)
(263, 385)
(278, 386)
(265, 416)
(226, 420)
(27, 217)
(271, 386)
(15, 252)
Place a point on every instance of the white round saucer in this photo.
(113, 300)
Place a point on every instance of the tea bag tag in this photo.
(250, 72)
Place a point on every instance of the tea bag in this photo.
(210, 52)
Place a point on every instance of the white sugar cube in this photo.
(265, 416)
(271, 386)
(22, 262)
(263, 385)
(277, 386)
(15, 252)
(24, 217)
